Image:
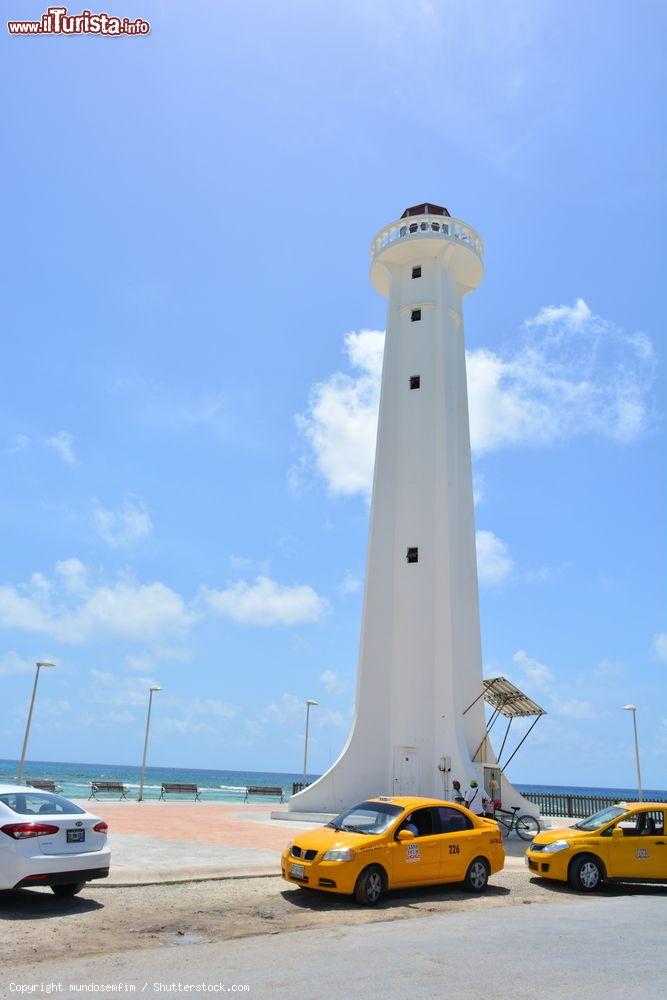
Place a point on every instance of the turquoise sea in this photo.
(221, 786)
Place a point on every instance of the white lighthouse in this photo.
(419, 721)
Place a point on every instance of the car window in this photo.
(368, 817)
(421, 822)
(600, 819)
(647, 823)
(39, 804)
(453, 820)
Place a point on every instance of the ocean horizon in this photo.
(226, 785)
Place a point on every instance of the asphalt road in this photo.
(614, 947)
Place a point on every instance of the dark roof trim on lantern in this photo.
(425, 209)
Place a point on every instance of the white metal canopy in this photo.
(506, 699)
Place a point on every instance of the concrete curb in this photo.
(183, 881)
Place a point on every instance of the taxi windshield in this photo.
(600, 818)
(368, 817)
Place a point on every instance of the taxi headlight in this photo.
(558, 845)
(289, 847)
(340, 854)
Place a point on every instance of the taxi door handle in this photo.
(659, 843)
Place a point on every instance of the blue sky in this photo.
(192, 348)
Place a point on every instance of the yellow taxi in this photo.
(624, 843)
(390, 843)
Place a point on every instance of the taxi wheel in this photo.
(586, 873)
(370, 886)
(477, 876)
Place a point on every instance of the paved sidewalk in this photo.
(177, 841)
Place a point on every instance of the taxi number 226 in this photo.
(454, 849)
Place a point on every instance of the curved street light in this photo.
(39, 665)
(305, 749)
(633, 709)
(152, 689)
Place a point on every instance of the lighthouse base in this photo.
(402, 770)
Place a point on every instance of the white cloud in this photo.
(18, 443)
(573, 708)
(147, 660)
(571, 373)
(333, 682)
(122, 717)
(63, 445)
(266, 602)
(210, 706)
(123, 526)
(494, 563)
(247, 564)
(568, 373)
(126, 610)
(536, 673)
(609, 670)
(349, 584)
(183, 727)
(331, 718)
(159, 406)
(341, 421)
(11, 664)
(73, 573)
(659, 646)
(121, 610)
(285, 710)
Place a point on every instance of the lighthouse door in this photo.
(406, 771)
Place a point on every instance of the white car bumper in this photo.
(41, 869)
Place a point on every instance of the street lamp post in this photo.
(633, 709)
(305, 749)
(151, 691)
(39, 665)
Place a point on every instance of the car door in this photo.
(642, 850)
(459, 842)
(417, 860)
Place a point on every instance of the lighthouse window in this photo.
(416, 315)
(415, 382)
(417, 272)
(413, 555)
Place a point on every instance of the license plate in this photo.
(76, 836)
(298, 871)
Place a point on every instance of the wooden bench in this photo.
(43, 784)
(108, 786)
(177, 788)
(263, 790)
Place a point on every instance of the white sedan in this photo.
(47, 840)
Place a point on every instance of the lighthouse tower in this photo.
(420, 666)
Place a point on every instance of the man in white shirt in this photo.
(474, 799)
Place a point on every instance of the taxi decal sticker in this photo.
(413, 853)
(642, 854)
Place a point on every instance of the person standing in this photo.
(473, 799)
(488, 805)
(458, 794)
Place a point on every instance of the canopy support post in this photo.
(537, 719)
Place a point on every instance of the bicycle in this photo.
(526, 826)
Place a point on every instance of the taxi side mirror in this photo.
(405, 835)
(617, 833)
